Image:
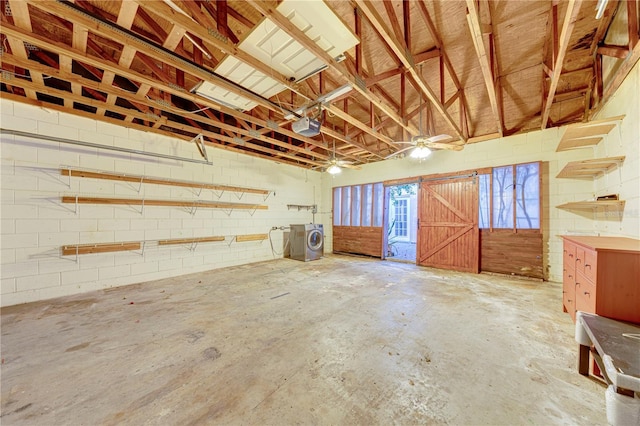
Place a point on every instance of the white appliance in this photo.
(306, 127)
(306, 242)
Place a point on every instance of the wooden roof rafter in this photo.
(448, 65)
(486, 57)
(398, 48)
(560, 50)
(143, 80)
(268, 9)
(224, 45)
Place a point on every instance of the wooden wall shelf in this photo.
(251, 237)
(171, 203)
(75, 249)
(158, 181)
(190, 240)
(590, 168)
(586, 205)
(582, 135)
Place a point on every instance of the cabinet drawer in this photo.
(585, 297)
(569, 256)
(580, 259)
(569, 303)
(590, 265)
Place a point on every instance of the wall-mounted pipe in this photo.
(98, 146)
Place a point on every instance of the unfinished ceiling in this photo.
(240, 72)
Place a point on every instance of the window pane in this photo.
(355, 205)
(337, 197)
(346, 206)
(528, 196)
(367, 203)
(483, 199)
(400, 217)
(377, 203)
(503, 197)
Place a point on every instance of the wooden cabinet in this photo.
(601, 275)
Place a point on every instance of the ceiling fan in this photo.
(421, 145)
(334, 166)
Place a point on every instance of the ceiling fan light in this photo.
(333, 169)
(420, 152)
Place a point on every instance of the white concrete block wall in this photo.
(35, 224)
(539, 146)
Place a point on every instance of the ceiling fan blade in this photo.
(405, 142)
(437, 145)
(438, 138)
(398, 152)
(349, 166)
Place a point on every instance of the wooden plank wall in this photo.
(358, 240)
(506, 252)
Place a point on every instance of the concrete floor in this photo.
(341, 340)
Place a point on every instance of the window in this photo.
(503, 197)
(509, 197)
(401, 221)
(358, 205)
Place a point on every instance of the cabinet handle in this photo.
(586, 264)
(586, 293)
(569, 300)
(570, 254)
(570, 276)
(578, 259)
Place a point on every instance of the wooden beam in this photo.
(632, 22)
(55, 107)
(397, 46)
(127, 13)
(622, 72)
(143, 116)
(573, 7)
(485, 59)
(62, 48)
(619, 52)
(162, 9)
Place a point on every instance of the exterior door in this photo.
(448, 236)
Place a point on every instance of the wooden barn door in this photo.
(448, 236)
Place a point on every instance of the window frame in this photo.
(347, 209)
(514, 228)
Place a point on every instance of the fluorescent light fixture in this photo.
(333, 169)
(602, 4)
(342, 90)
(420, 152)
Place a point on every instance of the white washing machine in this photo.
(306, 242)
